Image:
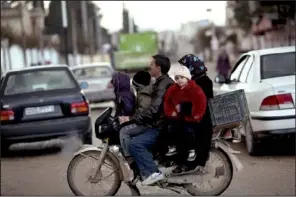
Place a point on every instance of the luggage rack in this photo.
(229, 110)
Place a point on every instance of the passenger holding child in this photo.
(184, 104)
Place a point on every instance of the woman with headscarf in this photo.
(124, 97)
(203, 134)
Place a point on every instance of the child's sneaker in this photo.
(191, 156)
(172, 151)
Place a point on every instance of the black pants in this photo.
(203, 137)
(182, 135)
(202, 141)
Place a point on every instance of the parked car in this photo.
(95, 79)
(268, 78)
(41, 103)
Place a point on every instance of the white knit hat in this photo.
(183, 71)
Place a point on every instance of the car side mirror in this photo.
(83, 85)
(220, 79)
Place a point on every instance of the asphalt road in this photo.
(39, 169)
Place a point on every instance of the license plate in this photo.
(39, 110)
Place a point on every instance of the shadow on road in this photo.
(277, 147)
(32, 152)
(64, 146)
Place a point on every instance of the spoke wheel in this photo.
(221, 180)
(103, 183)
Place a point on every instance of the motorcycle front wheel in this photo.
(98, 183)
(225, 171)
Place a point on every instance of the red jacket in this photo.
(191, 93)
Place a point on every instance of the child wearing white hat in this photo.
(183, 93)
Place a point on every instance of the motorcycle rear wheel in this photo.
(228, 169)
(78, 158)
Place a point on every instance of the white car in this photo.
(268, 78)
(94, 79)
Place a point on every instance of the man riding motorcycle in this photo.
(142, 145)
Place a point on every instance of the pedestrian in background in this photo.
(223, 64)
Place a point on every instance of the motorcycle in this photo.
(109, 156)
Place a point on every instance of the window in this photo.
(238, 68)
(246, 69)
(277, 65)
(92, 72)
(42, 80)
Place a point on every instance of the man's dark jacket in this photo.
(153, 116)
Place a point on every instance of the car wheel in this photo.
(87, 139)
(252, 145)
(4, 149)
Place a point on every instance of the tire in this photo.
(225, 182)
(252, 146)
(117, 182)
(4, 149)
(87, 139)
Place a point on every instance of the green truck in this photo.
(135, 50)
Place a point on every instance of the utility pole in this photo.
(91, 37)
(38, 17)
(74, 36)
(84, 24)
(97, 31)
(21, 9)
(41, 39)
(65, 28)
(4, 46)
(130, 24)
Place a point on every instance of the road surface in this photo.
(37, 169)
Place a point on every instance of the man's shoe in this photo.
(153, 178)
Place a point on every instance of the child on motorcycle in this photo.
(198, 71)
(141, 83)
(124, 97)
(183, 122)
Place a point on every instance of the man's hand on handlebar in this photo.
(123, 119)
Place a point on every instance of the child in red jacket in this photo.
(183, 93)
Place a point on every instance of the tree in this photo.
(53, 23)
(125, 21)
(203, 41)
(243, 16)
(135, 30)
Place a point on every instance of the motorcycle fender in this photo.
(230, 153)
(86, 148)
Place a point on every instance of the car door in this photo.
(238, 75)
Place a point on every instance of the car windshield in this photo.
(92, 72)
(33, 81)
(277, 65)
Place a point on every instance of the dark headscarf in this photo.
(198, 72)
(125, 98)
(194, 64)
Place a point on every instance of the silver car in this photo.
(94, 80)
